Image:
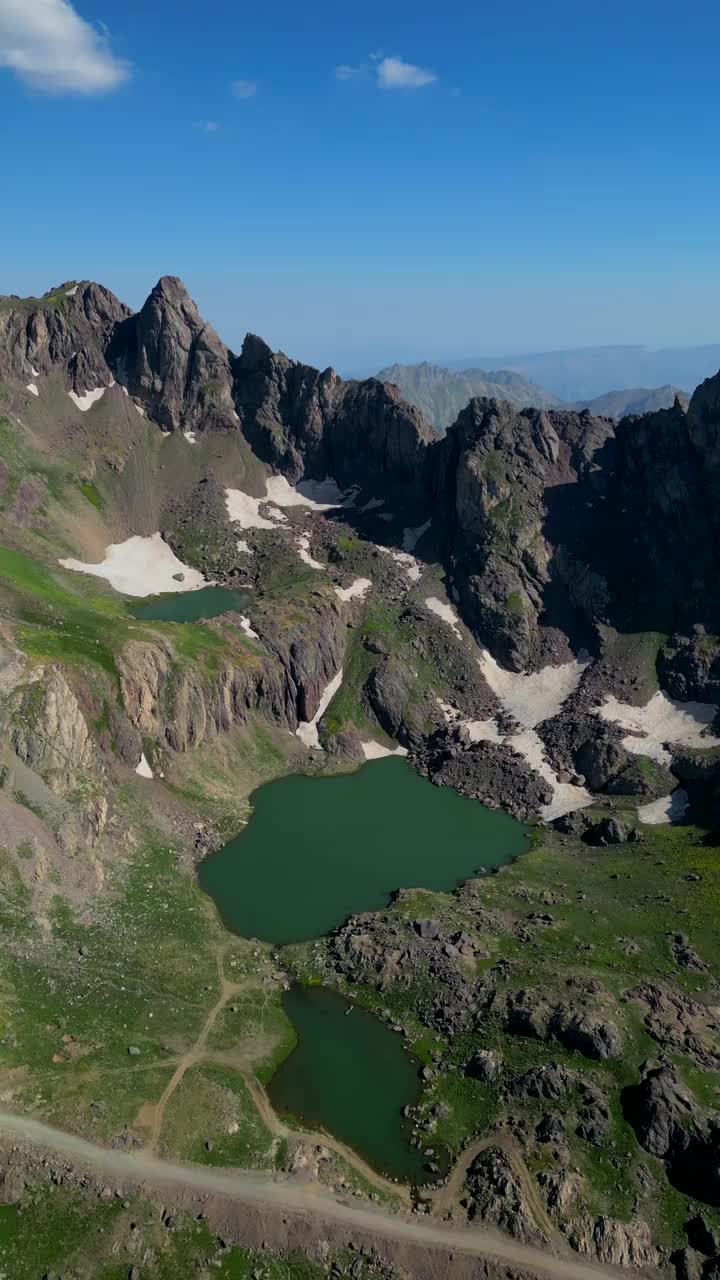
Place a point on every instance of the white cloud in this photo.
(50, 47)
(346, 72)
(393, 73)
(244, 88)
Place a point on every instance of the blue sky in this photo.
(476, 179)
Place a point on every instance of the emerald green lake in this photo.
(316, 850)
(350, 1075)
(193, 606)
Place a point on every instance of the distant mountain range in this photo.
(441, 393)
(586, 372)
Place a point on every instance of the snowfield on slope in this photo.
(316, 495)
(141, 567)
(660, 721)
(307, 730)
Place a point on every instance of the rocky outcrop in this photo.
(670, 1125)
(689, 667)
(182, 705)
(677, 1022)
(488, 771)
(69, 329)
(617, 1244)
(175, 363)
(49, 732)
(382, 950)
(304, 422)
(493, 1195)
(580, 1024)
(501, 471)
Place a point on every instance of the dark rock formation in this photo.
(174, 362)
(670, 1125)
(304, 422)
(66, 331)
(487, 771)
(577, 1025)
(497, 467)
(494, 1195)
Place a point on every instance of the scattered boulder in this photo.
(485, 1065)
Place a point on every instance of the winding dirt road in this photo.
(306, 1201)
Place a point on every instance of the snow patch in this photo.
(536, 696)
(141, 567)
(357, 589)
(70, 293)
(143, 769)
(376, 750)
(667, 809)
(87, 399)
(303, 547)
(307, 729)
(245, 626)
(32, 388)
(660, 721)
(243, 546)
(190, 437)
(141, 411)
(411, 537)
(444, 611)
(35, 372)
(318, 495)
(245, 511)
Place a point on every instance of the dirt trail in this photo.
(306, 1202)
(447, 1196)
(154, 1113)
(320, 1138)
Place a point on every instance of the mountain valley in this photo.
(220, 571)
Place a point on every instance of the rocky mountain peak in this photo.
(175, 363)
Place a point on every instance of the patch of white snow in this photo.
(242, 545)
(141, 567)
(667, 809)
(357, 589)
(87, 399)
(70, 293)
(245, 511)
(376, 751)
(35, 372)
(319, 495)
(190, 437)
(245, 626)
(307, 729)
(144, 768)
(303, 547)
(444, 611)
(31, 387)
(660, 721)
(536, 696)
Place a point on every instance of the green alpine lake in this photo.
(317, 850)
(350, 1075)
(193, 606)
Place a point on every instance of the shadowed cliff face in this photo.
(512, 567)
